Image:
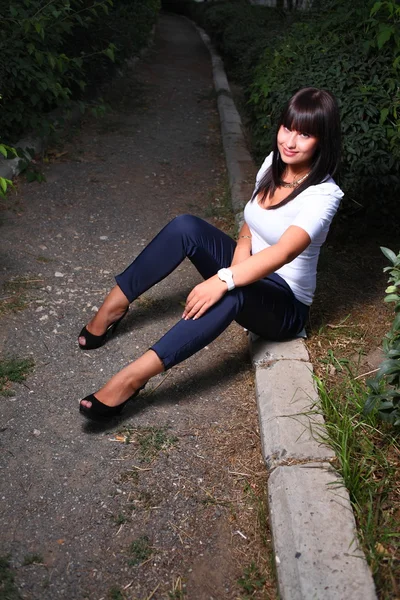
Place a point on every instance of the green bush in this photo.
(351, 49)
(330, 51)
(384, 390)
(127, 28)
(50, 51)
(5, 184)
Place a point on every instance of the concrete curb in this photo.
(313, 528)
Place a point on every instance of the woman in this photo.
(265, 281)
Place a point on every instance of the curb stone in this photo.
(313, 527)
(313, 531)
(241, 168)
(289, 419)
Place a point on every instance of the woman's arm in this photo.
(292, 243)
(243, 246)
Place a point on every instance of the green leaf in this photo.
(390, 255)
(392, 298)
(389, 367)
(110, 53)
(392, 289)
(375, 8)
(384, 36)
(384, 114)
(52, 60)
(370, 404)
(39, 57)
(3, 151)
(374, 386)
(396, 323)
(388, 406)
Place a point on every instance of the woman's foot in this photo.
(105, 321)
(98, 411)
(125, 385)
(109, 401)
(116, 391)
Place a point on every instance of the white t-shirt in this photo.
(313, 211)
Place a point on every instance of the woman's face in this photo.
(296, 148)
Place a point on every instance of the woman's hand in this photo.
(203, 296)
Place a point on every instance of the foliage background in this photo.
(352, 49)
(54, 52)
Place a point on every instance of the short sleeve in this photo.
(316, 214)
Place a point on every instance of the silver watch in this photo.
(227, 276)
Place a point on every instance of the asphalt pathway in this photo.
(78, 508)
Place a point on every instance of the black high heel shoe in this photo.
(101, 412)
(95, 341)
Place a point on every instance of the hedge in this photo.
(352, 50)
(51, 51)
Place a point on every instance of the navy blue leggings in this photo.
(266, 307)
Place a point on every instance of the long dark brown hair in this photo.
(315, 112)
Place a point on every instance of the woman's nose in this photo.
(291, 142)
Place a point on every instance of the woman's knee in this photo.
(185, 224)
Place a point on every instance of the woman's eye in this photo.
(305, 135)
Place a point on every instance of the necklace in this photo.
(294, 183)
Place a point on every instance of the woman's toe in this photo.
(82, 340)
(86, 404)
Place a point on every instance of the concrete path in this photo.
(313, 528)
(83, 515)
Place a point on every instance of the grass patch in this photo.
(13, 370)
(368, 453)
(140, 551)
(258, 499)
(251, 581)
(177, 592)
(8, 589)
(154, 440)
(43, 259)
(12, 303)
(129, 476)
(32, 559)
(149, 441)
(15, 294)
(120, 519)
(115, 594)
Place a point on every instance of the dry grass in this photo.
(244, 489)
(345, 352)
(16, 292)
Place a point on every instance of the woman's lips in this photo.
(288, 152)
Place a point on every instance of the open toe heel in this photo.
(95, 341)
(102, 412)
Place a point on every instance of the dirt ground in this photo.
(168, 501)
